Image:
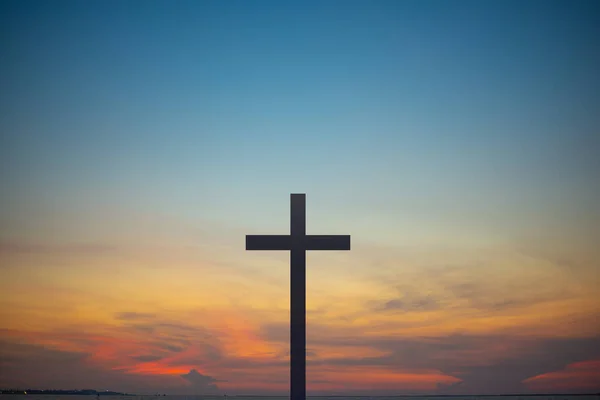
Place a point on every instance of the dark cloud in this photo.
(178, 337)
(150, 323)
(171, 347)
(183, 330)
(468, 287)
(147, 358)
(254, 363)
(202, 383)
(180, 327)
(174, 337)
(164, 338)
(27, 365)
(210, 355)
(144, 328)
(488, 296)
(485, 363)
(133, 316)
(36, 366)
(447, 388)
(492, 363)
(411, 301)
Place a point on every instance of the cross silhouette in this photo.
(298, 242)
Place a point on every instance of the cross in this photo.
(298, 242)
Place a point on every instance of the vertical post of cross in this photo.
(298, 242)
(298, 297)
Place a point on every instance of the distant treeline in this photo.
(63, 392)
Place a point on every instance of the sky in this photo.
(456, 142)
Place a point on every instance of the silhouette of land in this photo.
(64, 392)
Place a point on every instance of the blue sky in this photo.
(465, 102)
(407, 123)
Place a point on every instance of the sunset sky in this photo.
(457, 142)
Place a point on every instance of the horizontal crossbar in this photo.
(308, 242)
(268, 242)
(327, 242)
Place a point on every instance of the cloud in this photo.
(172, 347)
(420, 294)
(201, 383)
(489, 296)
(485, 363)
(29, 365)
(146, 358)
(411, 300)
(162, 351)
(150, 323)
(275, 332)
(133, 316)
(473, 287)
(207, 353)
(177, 336)
(183, 327)
(446, 388)
(21, 247)
(585, 375)
(142, 328)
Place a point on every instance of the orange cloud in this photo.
(365, 378)
(409, 324)
(583, 375)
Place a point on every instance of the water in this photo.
(181, 397)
